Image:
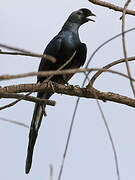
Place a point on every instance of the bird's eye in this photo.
(79, 13)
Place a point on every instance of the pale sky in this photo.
(31, 25)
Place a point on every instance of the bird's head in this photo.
(81, 16)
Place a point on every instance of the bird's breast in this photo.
(70, 44)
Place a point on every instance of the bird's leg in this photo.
(64, 79)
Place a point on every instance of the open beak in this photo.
(91, 19)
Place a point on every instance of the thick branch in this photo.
(72, 91)
(112, 6)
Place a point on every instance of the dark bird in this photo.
(62, 47)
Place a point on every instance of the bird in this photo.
(66, 43)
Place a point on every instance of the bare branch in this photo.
(23, 52)
(8, 105)
(107, 67)
(14, 122)
(60, 72)
(15, 48)
(27, 98)
(70, 90)
(112, 6)
(109, 135)
(124, 45)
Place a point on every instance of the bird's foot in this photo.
(50, 84)
(72, 86)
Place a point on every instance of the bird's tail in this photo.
(35, 124)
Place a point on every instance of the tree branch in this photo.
(107, 67)
(14, 122)
(124, 45)
(61, 72)
(24, 52)
(52, 59)
(27, 98)
(72, 91)
(112, 6)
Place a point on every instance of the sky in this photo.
(31, 25)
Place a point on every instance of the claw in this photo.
(50, 84)
(77, 86)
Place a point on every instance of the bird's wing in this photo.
(52, 49)
(81, 54)
(78, 60)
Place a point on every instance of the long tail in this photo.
(35, 125)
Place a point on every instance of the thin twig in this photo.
(24, 52)
(106, 42)
(28, 98)
(112, 6)
(111, 139)
(15, 48)
(14, 122)
(68, 137)
(9, 105)
(107, 67)
(52, 59)
(61, 72)
(109, 135)
(15, 102)
(124, 45)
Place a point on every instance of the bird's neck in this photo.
(71, 27)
